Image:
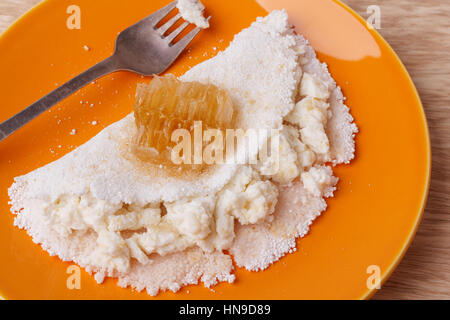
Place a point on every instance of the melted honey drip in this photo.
(167, 104)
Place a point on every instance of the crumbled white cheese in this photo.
(293, 158)
(163, 239)
(284, 168)
(134, 218)
(192, 219)
(299, 148)
(305, 156)
(247, 198)
(111, 252)
(132, 231)
(313, 87)
(192, 11)
(317, 179)
(311, 115)
(256, 203)
(308, 110)
(69, 213)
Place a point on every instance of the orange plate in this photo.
(380, 197)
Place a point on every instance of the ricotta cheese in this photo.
(285, 168)
(192, 11)
(132, 231)
(247, 198)
(318, 179)
(311, 115)
(313, 87)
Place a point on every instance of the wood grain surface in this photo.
(419, 31)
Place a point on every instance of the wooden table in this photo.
(419, 31)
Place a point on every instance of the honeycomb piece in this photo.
(167, 104)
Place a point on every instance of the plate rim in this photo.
(374, 32)
(370, 292)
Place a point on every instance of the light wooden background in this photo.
(419, 31)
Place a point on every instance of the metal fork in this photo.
(142, 48)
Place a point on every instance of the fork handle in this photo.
(14, 123)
